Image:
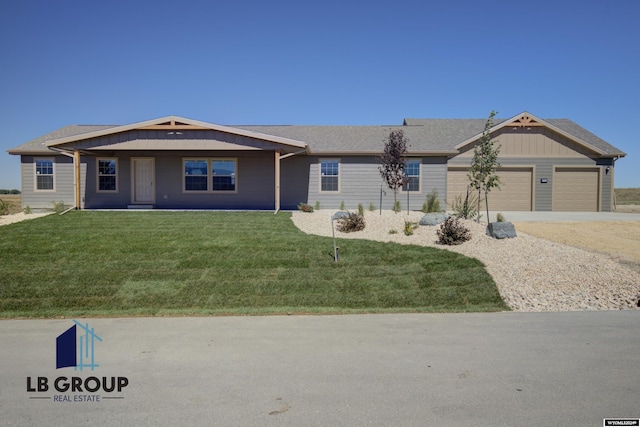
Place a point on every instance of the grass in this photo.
(627, 196)
(203, 263)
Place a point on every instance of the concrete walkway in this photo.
(494, 369)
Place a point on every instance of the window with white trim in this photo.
(412, 173)
(107, 175)
(44, 174)
(217, 175)
(329, 175)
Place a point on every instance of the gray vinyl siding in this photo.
(360, 182)
(63, 177)
(544, 167)
(255, 182)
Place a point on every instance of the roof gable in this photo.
(173, 124)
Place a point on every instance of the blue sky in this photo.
(332, 62)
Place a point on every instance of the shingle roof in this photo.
(37, 145)
(425, 135)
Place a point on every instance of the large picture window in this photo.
(107, 175)
(210, 175)
(329, 175)
(44, 174)
(412, 172)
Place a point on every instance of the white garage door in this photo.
(515, 192)
(576, 189)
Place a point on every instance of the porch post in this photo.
(76, 166)
(277, 195)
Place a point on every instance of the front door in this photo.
(143, 180)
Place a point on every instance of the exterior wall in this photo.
(255, 181)
(63, 177)
(294, 181)
(360, 182)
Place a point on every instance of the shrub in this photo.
(409, 227)
(27, 210)
(360, 209)
(305, 207)
(500, 217)
(342, 205)
(4, 207)
(432, 204)
(453, 232)
(392, 231)
(353, 222)
(317, 207)
(59, 207)
(465, 207)
(372, 207)
(397, 207)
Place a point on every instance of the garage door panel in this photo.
(576, 189)
(515, 193)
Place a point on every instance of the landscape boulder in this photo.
(434, 218)
(501, 230)
(340, 214)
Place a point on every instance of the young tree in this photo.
(484, 164)
(394, 162)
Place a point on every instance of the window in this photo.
(44, 174)
(107, 175)
(412, 172)
(329, 175)
(210, 175)
(224, 175)
(195, 175)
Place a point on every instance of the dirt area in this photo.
(619, 240)
(628, 208)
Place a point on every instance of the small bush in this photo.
(397, 207)
(360, 209)
(59, 207)
(4, 207)
(465, 207)
(353, 222)
(393, 231)
(27, 210)
(342, 205)
(409, 227)
(371, 207)
(317, 206)
(432, 204)
(453, 232)
(500, 217)
(305, 207)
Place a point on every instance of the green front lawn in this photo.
(199, 263)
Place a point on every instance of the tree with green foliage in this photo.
(393, 162)
(482, 174)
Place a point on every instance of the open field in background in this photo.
(15, 202)
(627, 196)
(191, 263)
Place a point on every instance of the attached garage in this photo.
(515, 193)
(576, 189)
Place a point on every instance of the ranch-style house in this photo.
(179, 163)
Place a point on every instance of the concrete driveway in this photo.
(511, 369)
(564, 216)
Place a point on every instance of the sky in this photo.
(335, 62)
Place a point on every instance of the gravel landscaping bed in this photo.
(531, 274)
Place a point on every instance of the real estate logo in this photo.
(70, 348)
(76, 347)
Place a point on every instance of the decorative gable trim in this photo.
(527, 120)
